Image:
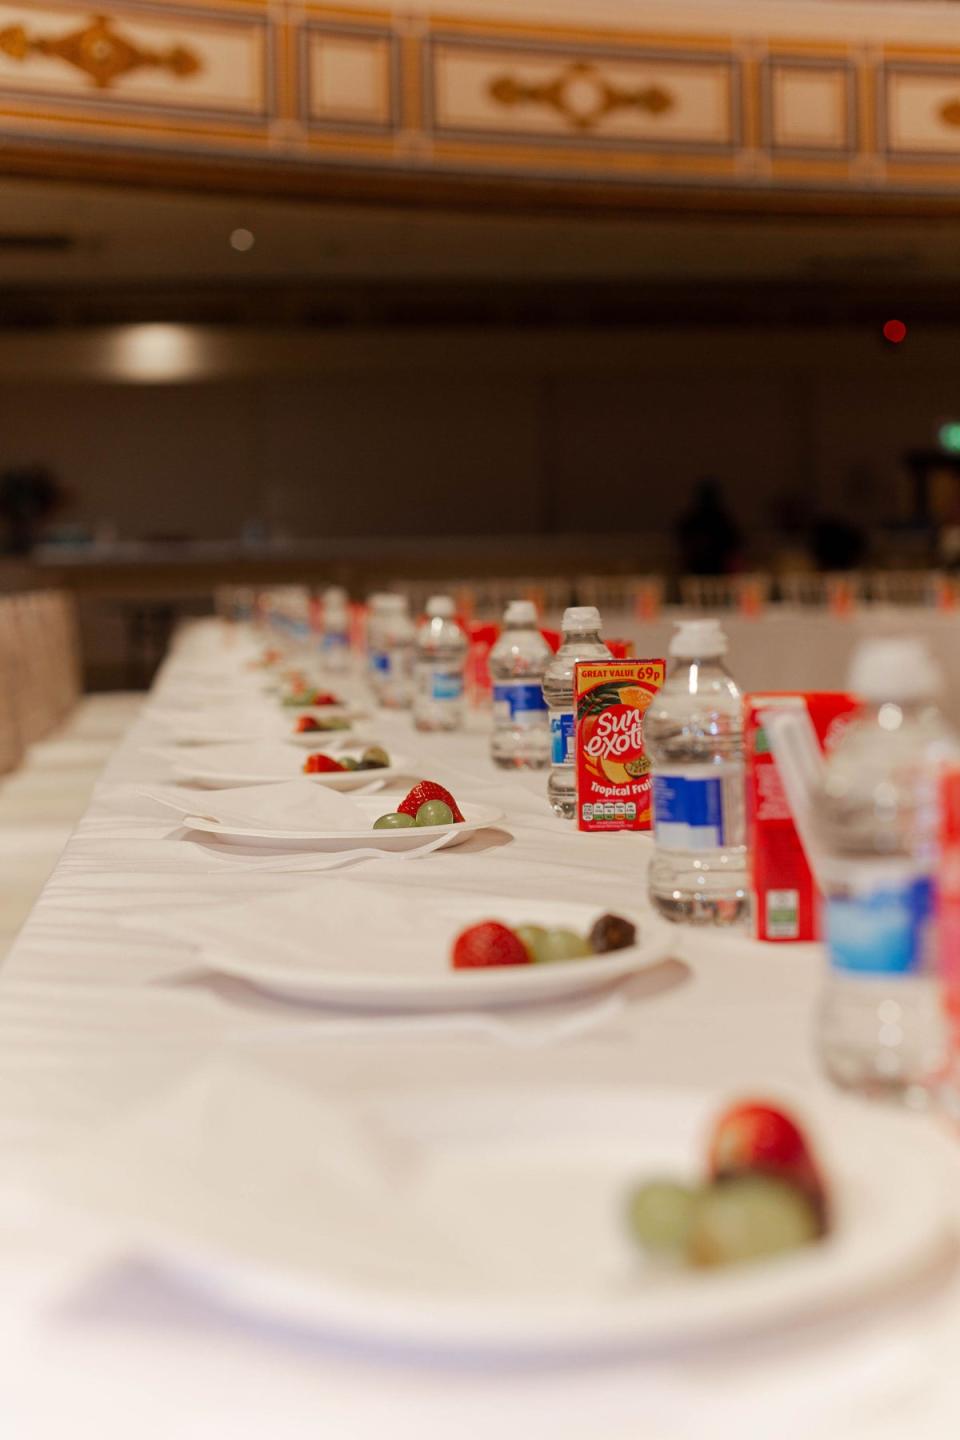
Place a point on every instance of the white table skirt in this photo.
(92, 1023)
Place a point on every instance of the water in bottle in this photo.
(395, 656)
(335, 640)
(374, 638)
(581, 641)
(693, 733)
(441, 652)
(521, 729)
(881, 1026)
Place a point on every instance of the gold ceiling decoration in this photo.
(99, 51)
(582, 95)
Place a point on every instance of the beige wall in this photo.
(563, 435)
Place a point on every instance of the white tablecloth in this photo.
(93, 1022)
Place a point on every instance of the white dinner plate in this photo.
(475, 817)
(490, 1221)
(238, 765)
(380, 955)
(324, 739)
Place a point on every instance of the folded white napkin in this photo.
(258, 760)
(298, 806)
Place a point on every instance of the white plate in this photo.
(239, 765)
(324, 739)
(364, 964)
(475, 817)
(491, 1222)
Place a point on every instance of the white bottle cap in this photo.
(378, 599)
(581, 617)
(698, 640)
(520, 612)
(895, 668)
(394, 604)
(441, 607)
(335, 595)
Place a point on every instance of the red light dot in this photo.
(895, 331)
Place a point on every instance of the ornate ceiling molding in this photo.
(97, 50)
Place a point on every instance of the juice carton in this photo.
(786, 901)
(614, 786)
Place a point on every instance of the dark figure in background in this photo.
(27, 496)
(708, 536)
(837, 544)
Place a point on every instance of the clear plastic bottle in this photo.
(395, 657)
(376, 659)
(441, 652)
(521, 730)
(881, 1028)
(335, 640)
(693, 734)
(581, 641)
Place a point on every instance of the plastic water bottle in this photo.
(693, 733)
(441, 652)
(581, 641)
(395, 656)
(374, 638)
(521, 729)
(335, 640)
(881, 1026)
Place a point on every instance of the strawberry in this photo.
(423, 791)
(755, 1137)
(488, 943)
(321, 765)
(306, 723)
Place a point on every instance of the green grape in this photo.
(660, 1214)
(749, 1217)
(534, 938)
(349, 762)
(434, 812)
(374, 758)
(394, 821)
(562, 944)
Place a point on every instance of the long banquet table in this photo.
(98, 1019)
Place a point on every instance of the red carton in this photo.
(614, 786)
(785, 899)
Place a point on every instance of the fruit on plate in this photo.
(755, 1137)
(308, 698)
(321, 765)
(433, 812)
(488, 944)
(749, 1217)
(546, 946)
(374, 758)
(763, 1195)
(308, 724)
(611, 932)
(426, 790)
(394, 821)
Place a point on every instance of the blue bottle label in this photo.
(380, 662)
(446, 685)
(688, 813)
(518, 702)
(561, 739)
(884, 930)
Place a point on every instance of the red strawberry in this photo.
(307, 723)
(321, 765)
(423, 791)
(488, 943)
(323, 697)
(760, 1137)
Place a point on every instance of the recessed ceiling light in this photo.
(242, 239)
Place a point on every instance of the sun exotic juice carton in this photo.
(786, 902)
(613, 774)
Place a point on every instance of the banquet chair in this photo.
(816, 589)
(725, 592)
(903, 587)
